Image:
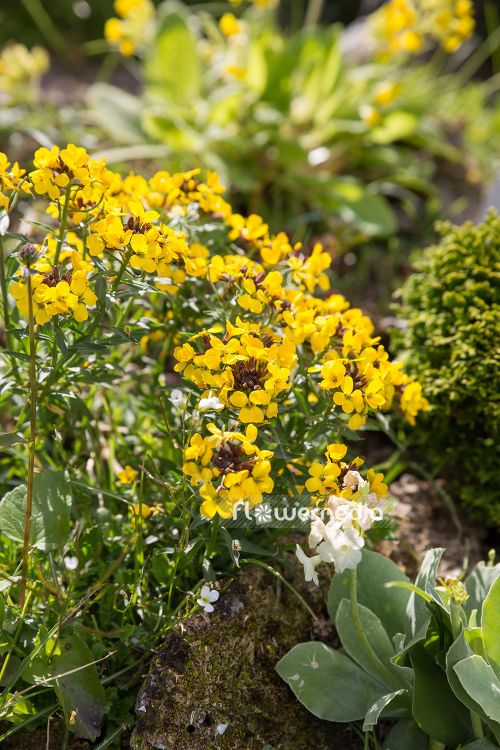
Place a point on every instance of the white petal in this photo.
(213, 596)
(4, 223)
(221, 728)
(208, 607)
(204, 592)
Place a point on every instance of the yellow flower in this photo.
(127, 475)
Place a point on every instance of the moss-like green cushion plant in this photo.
(451, 343)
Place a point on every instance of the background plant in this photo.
(323, 142)
(450, 305)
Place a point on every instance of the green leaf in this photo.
(436, 709)
(490, 621)
(377, 637)
(370, 213)
(373, 572)
(483, 744)
(396, 126)
(478, 584)
(481, 683)
(79, 692)
(173, 67)
(118, 112)
(60, 340)
(417, 610)
(10, 439)
(406, 735)
(328, 683)
(373, 713)
(458, 651)
(100, 288)
(50, 511)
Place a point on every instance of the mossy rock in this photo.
(219, 669)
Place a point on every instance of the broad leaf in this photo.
(490, 622)
(328, 683)
(436, 709)
(481, 683)
(406, 735)
(118, 112)
(483, 744)
(377, 637)
(458, 651)
(79, 692)
(478, 584)
(172, 67)
(417, 611)
(49, 515)
(10, 439)
(373, 713)
(373, 572)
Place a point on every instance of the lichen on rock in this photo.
(219, 670)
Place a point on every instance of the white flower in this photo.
(177, 398)
(347, 547)
(71, 563)
(317, 532)
(364, 516)
(212, 402)
(4, 222)
(207, 596)
(352, 479)
(309, 564)
(221, 728)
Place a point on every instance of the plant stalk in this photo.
(62, 226)
(361, 633)
(5, 299)
(31, 448)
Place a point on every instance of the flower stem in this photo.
(62, 225)
(31, 448)
(5, 299)
(361, 633)
(113, 289)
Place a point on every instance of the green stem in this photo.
(5, 299)
(113, 289)
(31, 448)
(456, 622)
(139, 547)
(481, 54)
(48, 29)
(436, 745)
(313, 13)
(62, 226)
(358, 627)
(16, 636)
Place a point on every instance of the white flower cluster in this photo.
(339, 541)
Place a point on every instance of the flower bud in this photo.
(457, 590)
(28, 254)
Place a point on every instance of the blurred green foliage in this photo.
(451, 344)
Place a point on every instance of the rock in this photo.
(213, 685)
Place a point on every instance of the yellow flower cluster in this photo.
(403, 25)
(11, 180)
(56, 170)
(248, 368)
(232, 459)
(21, 71)
(333, 478)
(276, 339)
(134, 30)
(57, 294)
